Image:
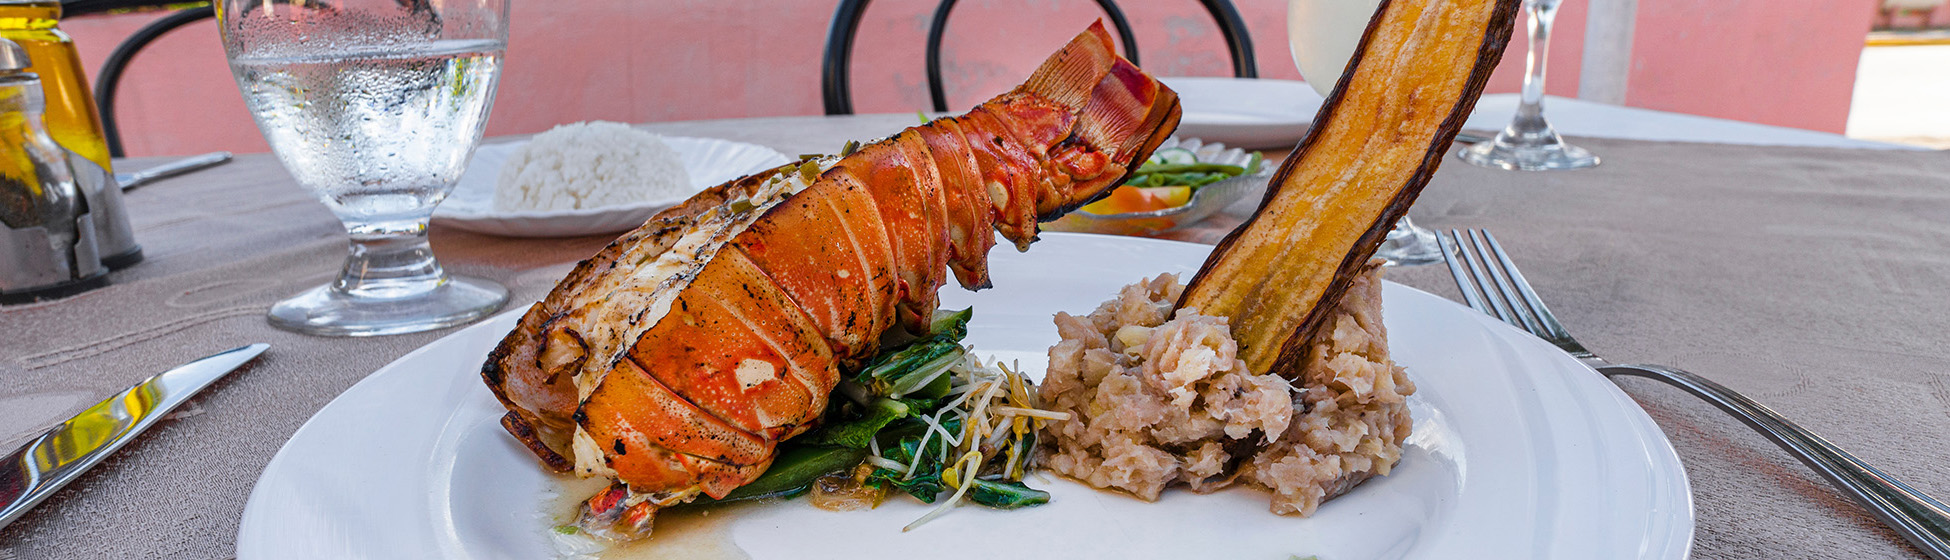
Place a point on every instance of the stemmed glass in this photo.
(375, 106)
(1529, 143)
(1323, 35)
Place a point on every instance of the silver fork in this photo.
(1490, 283)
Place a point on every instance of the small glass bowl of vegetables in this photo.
(1184, 182)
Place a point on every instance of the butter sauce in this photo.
(685, 533)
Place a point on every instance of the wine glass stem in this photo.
(1542, 14)
(390, 260)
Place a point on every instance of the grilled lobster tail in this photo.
(676, 358)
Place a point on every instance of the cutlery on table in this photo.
(36, 470)
(171, 169)
(1490, 283)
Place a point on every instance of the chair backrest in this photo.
(836, 83)
(110, 76)
(72, 8)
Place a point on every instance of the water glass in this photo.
(375, 106)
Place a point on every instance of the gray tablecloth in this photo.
(1815, 280)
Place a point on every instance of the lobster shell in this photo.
(685, 383)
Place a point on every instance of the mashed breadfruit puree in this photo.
(1158, 400)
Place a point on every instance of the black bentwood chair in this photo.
(835, 82)
(110, 76)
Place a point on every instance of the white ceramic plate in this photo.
(1245, 112)
(1518, 452)
(709, 161)
(1206, 200)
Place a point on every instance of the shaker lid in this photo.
(12, 57)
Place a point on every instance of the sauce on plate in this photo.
(692, 533)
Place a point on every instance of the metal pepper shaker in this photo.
(113, 234)
(48, 244)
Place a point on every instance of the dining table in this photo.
(1806, 270)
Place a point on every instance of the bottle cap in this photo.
(12, 57)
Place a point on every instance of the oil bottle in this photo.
(47, 231)
(71, 118)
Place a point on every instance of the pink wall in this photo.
(1566, 56)
(1787, 62)
(638, 61)
(641, 61)
(177, 96)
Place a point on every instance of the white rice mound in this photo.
(1158, 402)
(590, 165)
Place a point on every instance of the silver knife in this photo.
(30, 474)
(171, 169)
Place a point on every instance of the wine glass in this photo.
(375, 106)
(1529, 143)
(1323, 35)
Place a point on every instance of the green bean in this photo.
(1184, 167)
(1207, 180)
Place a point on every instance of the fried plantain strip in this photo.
(1379, 136)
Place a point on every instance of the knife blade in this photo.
(132, 180)
(36, 470)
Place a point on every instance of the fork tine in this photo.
(1547, 321)
(1500, 277)
(1472, 295)
(1478, 263)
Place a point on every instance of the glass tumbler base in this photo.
(1549, 155)
(1409, 245)
(323, 311)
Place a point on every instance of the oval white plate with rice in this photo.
(1517, 452)
(1248, 113)
(709, 161)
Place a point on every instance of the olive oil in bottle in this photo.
(72, 121)
(71, 117)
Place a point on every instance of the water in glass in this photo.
(375, 107)
(378, 135)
